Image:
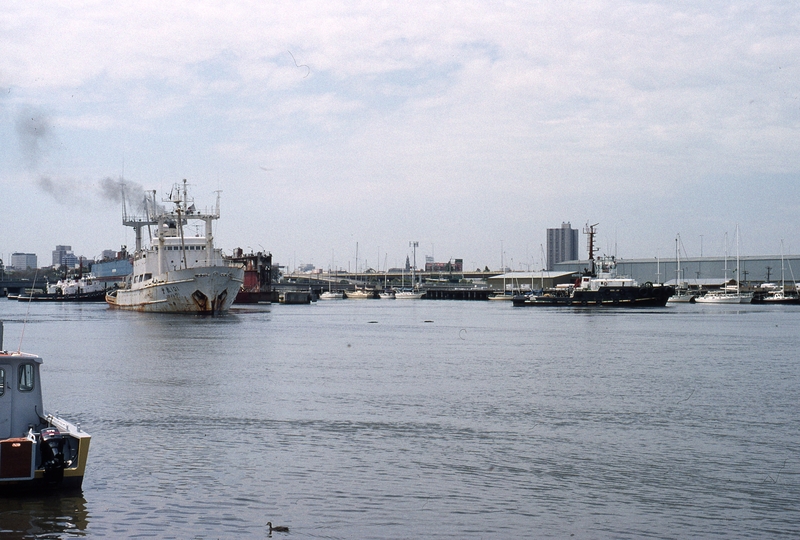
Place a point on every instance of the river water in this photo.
(408, 419)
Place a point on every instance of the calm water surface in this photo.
(408, 419)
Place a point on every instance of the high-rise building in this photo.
(23, 261)
(60, 253)
(562, 245)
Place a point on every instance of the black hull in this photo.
(644, 296)
(256, 297)
(99, 296)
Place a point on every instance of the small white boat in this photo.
(729, 294)
(682, 292)
(414, 293)
(360, 294)
(682, 295)
(387, 295)
(408, 295)
(39, 451)
(723, 297)
(331, 295)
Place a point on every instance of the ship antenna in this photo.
(590, 231)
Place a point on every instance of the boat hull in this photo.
(408, 295)
(723, 299)
(94, 296)
(202, 290)
(22, 470)
(640, 296)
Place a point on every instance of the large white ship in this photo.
(178, 272)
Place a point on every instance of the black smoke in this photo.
(119, 190)
(34, 134)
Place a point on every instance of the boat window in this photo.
(2, 381)
(25, 377)
(148, 276)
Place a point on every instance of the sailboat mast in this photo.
(413, 244)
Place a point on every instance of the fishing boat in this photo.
(601, 286)
(39, 451)
(177, 273)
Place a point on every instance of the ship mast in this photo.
(590, 231)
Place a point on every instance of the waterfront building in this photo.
(562, 245)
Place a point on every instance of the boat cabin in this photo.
(37, 450)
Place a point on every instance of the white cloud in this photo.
(560, 109)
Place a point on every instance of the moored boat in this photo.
(729, 294)
(409, 295)
(178, 273)
(38, 450)
(360, 294)
(600, 286)
(86, 288)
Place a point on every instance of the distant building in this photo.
(23, 261)
(70, 260)
(562, 245)
(60, 253)
(453, 265)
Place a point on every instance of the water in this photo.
(435, 419)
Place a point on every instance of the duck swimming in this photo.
(279, 528)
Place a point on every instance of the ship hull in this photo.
(203, 290)
(641, 296)
(94, 296)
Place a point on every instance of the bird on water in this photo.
(279, 528)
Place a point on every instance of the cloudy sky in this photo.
(470, 127)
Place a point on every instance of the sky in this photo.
(339, 132)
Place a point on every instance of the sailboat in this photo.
(414, 293)
(506, 294)
(330, 294)
(771, 294)
(682, 292)
(728, 294)
(362, 293)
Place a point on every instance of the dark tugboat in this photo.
(601, 287)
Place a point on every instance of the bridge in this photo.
(16, 286)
